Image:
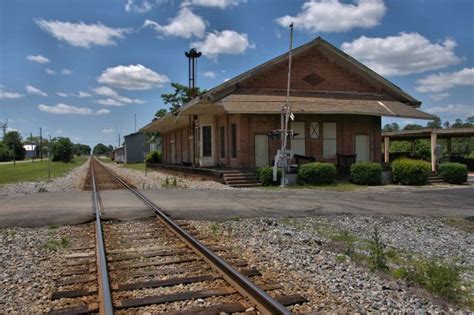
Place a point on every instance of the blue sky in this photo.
(84, 68)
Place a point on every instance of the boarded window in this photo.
(329, 140)
(206, 141)
(222, 142)
(314, 130)
(234, 140)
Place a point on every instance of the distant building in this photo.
(30, 150)
(134, 149)
(155, 144)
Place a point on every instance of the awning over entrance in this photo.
(271, 104)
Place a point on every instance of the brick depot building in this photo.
(337, 102)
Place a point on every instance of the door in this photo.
(261, 150)
(173, 152)
(362, 147)
(298, 142)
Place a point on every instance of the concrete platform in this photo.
(75, 207)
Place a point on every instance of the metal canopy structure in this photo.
(433, 134)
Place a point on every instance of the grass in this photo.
(54, 245)
(135, 166)
(37, 171)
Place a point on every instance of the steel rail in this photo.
(105, 295)
(264, 302)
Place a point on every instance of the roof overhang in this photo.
(165, 123)
(426, 133)
(271, 104)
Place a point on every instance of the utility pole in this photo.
(285, 117)
(135, 122)
(49, 158)
(119, 140)
(192, 56)
(32, 150)
(41, 144)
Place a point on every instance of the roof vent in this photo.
(313, 79)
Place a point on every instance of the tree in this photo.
(391, 127)
(470, 120)
(446, 124)
(412, 127)
(182, 94)
(14, 143)
(161, 112)
(457, 123)
(81, 149)
(62, 150)
(434, 124)
(5, 153)
(101, 149)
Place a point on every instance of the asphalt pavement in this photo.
(75, 207)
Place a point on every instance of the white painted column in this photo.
(386, 149)
(434, 138)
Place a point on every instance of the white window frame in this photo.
(314, 130)
(327, 139)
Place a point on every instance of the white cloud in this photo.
(132, 77)
(81, 34)
(439, 96)
(132, 6)
(210, 74)
(335, 16)
(225, 42)
(62, 94)
(8, 94)
(222, 4)
(109, 102)
(83, 94)
(437, 83)
(59, 131)
(33, 90)
(69, 109)
(66, 71)
(452, 110)
(112, 94)
(38, 59)
(107, 130)
(50, 71)
(186, 24)
(403, 54)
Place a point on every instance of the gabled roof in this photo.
(330, 51)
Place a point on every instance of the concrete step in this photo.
(239, 175)
(243, 181)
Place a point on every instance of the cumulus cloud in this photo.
(50, 71)
(403, 54)
(225, 42)
(102, 111)
(62, 94)
(452, 110)
(38, 59)
(83, 94)
(440, 82)
(222, 4)
(107, 130)
(69, 109)
(66, 71)
(109, 102)
(439, 96)
(33, 90)
(81, 34)
(143, 7)
(210, 74)
(186, 24)
(132, 77)
(335, 16)
(4, 94)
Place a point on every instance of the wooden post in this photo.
(413, 147)
(386, 149)
(434, 137)
(448, 144)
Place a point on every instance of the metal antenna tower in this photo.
(192, 56)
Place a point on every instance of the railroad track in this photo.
(163, 268)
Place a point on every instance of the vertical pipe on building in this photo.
(434, 138)
(386, 149)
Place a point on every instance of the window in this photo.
(314, 130)
(234, 140)
(206, 141)
(329, 140)
(222, 142)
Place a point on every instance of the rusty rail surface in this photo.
(105, 294)
(263, 301)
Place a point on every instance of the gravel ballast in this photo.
(295, 249)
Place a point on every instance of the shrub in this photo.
(366, 173)
(153, 157)
(265, 176)
(317, 174)
(410, 172)
(453, 173)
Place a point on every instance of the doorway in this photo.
(362, 147)
(298, 142)
(261, 150)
